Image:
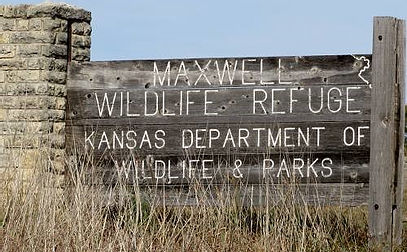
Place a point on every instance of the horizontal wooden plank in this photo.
(275, 103)
(195, 139)
(232, 169)
(255, 195)
(307, 70)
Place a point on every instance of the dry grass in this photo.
(37, 217)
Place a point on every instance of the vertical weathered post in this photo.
(387, 130)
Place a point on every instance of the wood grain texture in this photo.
(300, 168)
(385, 127)
(309, 79)
(260, 195)
(307, 70)
(399, 185)
(227, 103)
(180, 139)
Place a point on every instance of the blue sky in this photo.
(146, 29)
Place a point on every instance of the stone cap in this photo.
(60, 10)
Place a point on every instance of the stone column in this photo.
(36, 44)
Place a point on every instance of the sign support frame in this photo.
(387, 132)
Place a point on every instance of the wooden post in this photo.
(387, 132)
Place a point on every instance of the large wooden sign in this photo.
(322, 129)
(241, 121)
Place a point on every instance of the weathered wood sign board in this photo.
(319, 129)
(247, 122)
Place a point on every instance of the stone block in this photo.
(59, 103)
(35, 24)
(23, 141)
(57, 90)
(32, 102)
(55, 51)
(7, 24)
(4, 37)
(16, 11)
(33, 63)
(80, 54)
(22, 76)
(56, 115)
(19, 88)
(60, 10)
(54, 77)
(12, 64)
(3, 88)
(11, 76)
(28, 76)
(35, 115)
(50, 64)
(59, 128)
(26, 88)
(7, 51)
(81, 41)
(22, 24)
(28, 37)
(81, 28)
(26, 115)
(28, 50)
(62, 38)
(20, 128)
(51, 24)
(3, 114)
